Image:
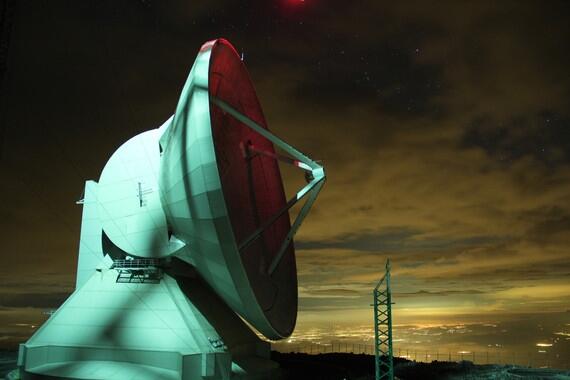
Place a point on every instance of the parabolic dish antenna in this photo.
(205, 191)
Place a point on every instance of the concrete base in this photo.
(175, 329)
(99, 370)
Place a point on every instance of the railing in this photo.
(491, 356)
(138, 270)
(135, 263)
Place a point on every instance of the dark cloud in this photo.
(440, 293)
(552, 225)
(331, 303)
(396, 240)
(380, 74)
(32, 300)
(544, 136)
(337, 292)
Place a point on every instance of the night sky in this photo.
(444, 129)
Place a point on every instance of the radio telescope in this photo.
(185, 241)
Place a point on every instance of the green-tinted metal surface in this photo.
(90, 249)
(194, 202)
(108, 330)
(129, 205)
(160, 195)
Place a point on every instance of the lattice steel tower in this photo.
(383, 327)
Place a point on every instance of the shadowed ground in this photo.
(361, 367)
(338, 366)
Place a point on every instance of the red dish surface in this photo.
(252, 188)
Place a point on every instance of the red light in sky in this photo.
(295, 8)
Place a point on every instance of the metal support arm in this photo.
(316, 175)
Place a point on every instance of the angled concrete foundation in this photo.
(110, 330)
